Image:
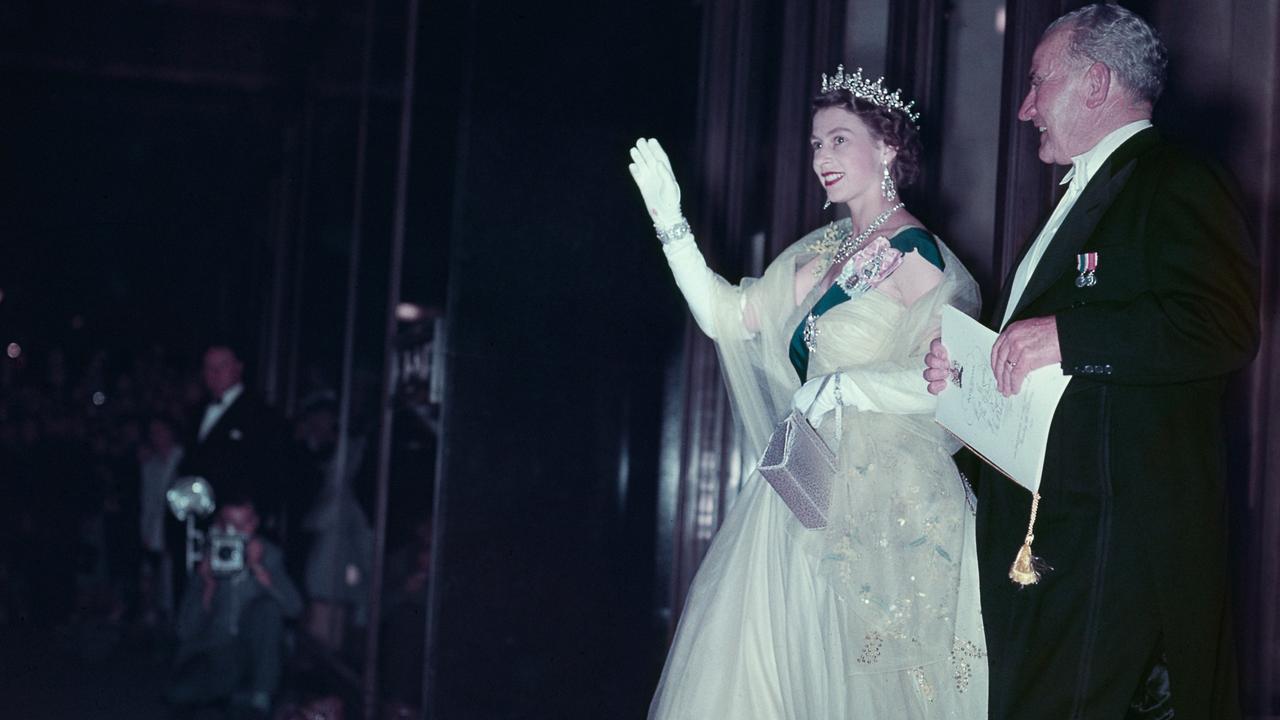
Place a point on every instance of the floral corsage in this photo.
(869, 267)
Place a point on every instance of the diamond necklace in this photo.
(851, 245)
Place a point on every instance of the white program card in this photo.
(1010, 433)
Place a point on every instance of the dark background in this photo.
(178, 170)
(560, 326)
(181, 171)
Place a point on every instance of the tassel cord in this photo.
(1023, 571)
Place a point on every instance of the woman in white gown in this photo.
(876, 615)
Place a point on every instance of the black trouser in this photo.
(1078, 643)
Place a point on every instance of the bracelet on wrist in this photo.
(672, 233)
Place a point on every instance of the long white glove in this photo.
(651, 170)
(696, 281)
(901, 392)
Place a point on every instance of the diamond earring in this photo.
(826, 204)
(887, 188)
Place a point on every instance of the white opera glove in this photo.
(651, 170)
(696, 281)
(900, 392)
(821, 394)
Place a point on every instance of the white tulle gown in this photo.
(877, 615)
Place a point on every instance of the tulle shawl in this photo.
(893, 548)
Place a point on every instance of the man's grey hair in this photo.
(1122, 41)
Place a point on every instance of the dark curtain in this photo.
(1260, 403)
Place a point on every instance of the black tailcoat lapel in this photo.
(1083, 218)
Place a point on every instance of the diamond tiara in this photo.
(872, 92)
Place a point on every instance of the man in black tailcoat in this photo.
(1142, 286)
(237, 442)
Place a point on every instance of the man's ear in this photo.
(1097, 81)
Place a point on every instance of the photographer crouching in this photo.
(230, 623)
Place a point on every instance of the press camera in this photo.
(192, 497)
(226, 549)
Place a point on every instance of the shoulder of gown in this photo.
(918, 239)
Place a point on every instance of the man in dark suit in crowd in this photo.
(1142, 286)
(237, 442)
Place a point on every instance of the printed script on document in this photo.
(1010, 433)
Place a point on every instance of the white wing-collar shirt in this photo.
(216, 408)
(1083, 168)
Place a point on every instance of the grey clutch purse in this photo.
(800, 467)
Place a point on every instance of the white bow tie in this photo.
(1074, 179)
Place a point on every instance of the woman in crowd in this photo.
(876, 614)
(159, 460)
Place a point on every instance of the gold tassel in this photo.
(1023, 571)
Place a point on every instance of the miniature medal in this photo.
(1087, 264)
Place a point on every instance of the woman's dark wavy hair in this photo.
(891, 126)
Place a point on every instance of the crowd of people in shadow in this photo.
(265, 613)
